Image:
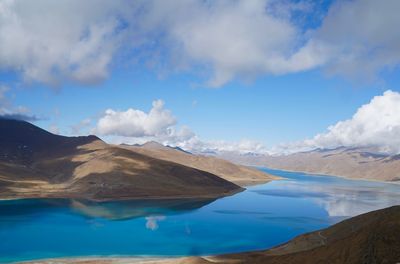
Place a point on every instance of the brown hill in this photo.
(345, 162)
(241, 175)
(36, 163)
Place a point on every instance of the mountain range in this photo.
(35, 163)
(349, 162)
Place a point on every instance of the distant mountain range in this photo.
(240, 175)
(362, 163)
(36, 164)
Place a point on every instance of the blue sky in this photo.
(225, 97)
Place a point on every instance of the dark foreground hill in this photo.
(35, 163)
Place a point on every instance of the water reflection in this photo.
(339, 197)
(118, 210)
(152, 221)
(291, 193)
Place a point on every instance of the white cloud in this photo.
(231, 38)
(203, 146)
(134, 126)
(376, 124)
(357, 38)
(223, 40)
(72, 40)
(136, 123)
(49, 41)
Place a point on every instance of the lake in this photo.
(260, 217)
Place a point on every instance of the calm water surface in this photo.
(260, 217)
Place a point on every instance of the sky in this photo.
(262, 76)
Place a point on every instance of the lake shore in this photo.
(327, 175)
(38, 195)
(120, 260)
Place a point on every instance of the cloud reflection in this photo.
(343, 198)
(152, 221)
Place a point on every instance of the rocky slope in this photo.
(240, 175)
(36, 163)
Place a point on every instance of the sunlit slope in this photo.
(36, 163)
(240, 175)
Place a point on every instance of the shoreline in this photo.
(115, 259)
(330, 175)
(155, 198)
(106, 259)
(145, 198)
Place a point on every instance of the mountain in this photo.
(36, 163)
(369, 238)
(240, 175)
(346, 162)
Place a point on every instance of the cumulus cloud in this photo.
(232, 38)
(195, 144)
(134, 126)
(50, 42)
(357, 38)
(376, 125)
(223, 40)
(136, 123)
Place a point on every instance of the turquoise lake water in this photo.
(260, 217)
